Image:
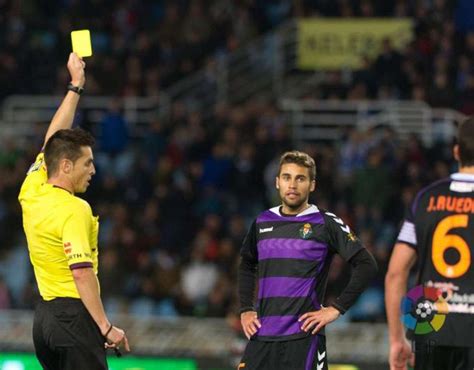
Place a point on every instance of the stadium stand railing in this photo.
(20, 112)
(328, 120)
(311, 120)
(183, 337)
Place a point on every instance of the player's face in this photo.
(83, 170)
(294, 185)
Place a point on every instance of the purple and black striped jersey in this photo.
(292, 255)
(440, 227)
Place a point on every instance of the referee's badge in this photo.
(306, 231)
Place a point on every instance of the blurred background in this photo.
(192, 103)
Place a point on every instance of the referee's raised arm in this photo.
(64, 116)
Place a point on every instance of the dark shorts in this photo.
(301, 354)
(443, 357)
(66, 337)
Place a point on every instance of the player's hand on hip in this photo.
(401, 355)
(317, 320)
(76, 67)
(116, 338)
(250, 323)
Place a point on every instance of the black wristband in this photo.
(108, 331)
(338, 307)
(77, 89)
(246, 309)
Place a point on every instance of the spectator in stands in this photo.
(441, 94)
(388, 65)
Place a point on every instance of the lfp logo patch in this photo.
(424, 310)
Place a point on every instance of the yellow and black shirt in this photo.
(61, 233)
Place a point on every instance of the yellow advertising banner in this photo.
(334, 43)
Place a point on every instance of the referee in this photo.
(71, 330)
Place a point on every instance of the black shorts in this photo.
(429, 357)
(301, 354)
(66, 337)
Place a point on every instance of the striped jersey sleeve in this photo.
(407, 232)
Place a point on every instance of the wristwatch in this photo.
(77, 89)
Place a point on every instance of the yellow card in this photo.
(81, 43)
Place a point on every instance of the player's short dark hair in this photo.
(466, 142)
(65, 144)
(301, 159)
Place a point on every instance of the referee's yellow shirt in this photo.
(61, 233)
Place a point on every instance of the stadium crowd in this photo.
(174, 205)
(142, 47)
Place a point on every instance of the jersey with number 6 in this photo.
(440, 226)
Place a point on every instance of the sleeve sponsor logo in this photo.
(67, 248)
(74, 256)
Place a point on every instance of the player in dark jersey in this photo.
(438, 232)
(289, 249)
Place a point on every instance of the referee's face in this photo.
(83, 170)
(294, 185)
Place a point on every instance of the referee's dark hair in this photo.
(466, 143)
(65, 144)
(301, 159)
